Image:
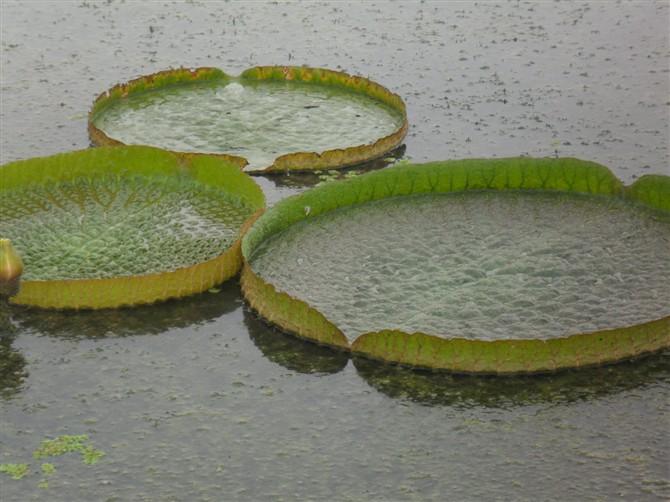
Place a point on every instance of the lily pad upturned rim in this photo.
(458, 354)
(147, 162)
(294, 162)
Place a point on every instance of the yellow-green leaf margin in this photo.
(299, 161)
(132, 161)
(459, 355)
(159, 80)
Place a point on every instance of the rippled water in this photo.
(110, 228)
(258, 121)
(477, 265)
(200, 400)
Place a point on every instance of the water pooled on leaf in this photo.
(259, 121)
(478, 265)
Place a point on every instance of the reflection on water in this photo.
(12, 369)
(432, 388)
(291, 352)
(203, 409)
(12, 363)
(148, 320)
(151, 319)
(445, 389)
(306, 180)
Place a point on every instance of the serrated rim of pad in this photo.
(291, 162)
(128, 161)
(458, 354)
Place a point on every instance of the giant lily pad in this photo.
(122, 226)
(273, 118)
(491, 266)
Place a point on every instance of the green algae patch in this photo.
(271, 119)
(16, 471)
(48, 469)
(51, 448)
(120, 226)
(60, 446)
(486, 266)
(67, 444)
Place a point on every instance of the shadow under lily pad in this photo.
(143, 320)
(445, 389)
(290, 352)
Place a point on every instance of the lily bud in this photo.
(11, 268)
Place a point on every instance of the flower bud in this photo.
(11, 268)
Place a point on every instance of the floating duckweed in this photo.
(16, 471)
(60, 446)
(91, 456)
(68, 444)
(56, 448)
(48, 469)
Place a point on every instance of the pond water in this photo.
(259, 121)
(200, 400)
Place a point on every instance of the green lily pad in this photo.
(122, 226)
(274, 118)
(512, 265)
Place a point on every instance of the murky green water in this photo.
(199, 400)
(110, 227)
(477, 265)
(258, 121)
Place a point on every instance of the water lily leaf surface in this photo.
(99, 221)
(274, 118)
(472, 265)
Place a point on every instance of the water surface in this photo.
(200, 400)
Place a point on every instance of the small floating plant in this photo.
(478, 266)
(56, 447)
(270, 118)
(111, 227)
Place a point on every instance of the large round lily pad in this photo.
(271, 118)
(493, 266)
(122, 226)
